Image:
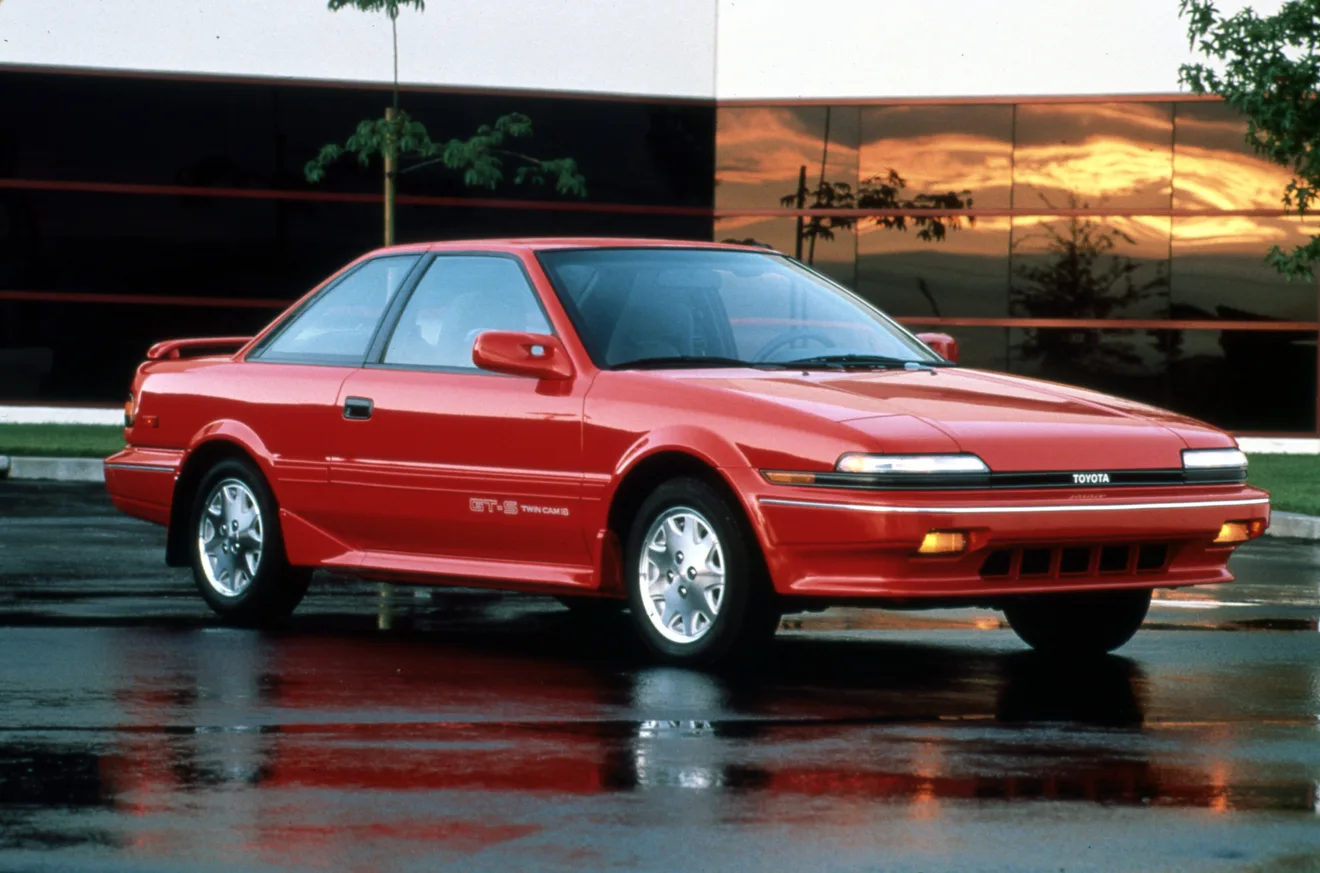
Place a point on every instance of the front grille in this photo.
(1043, 479)
(1100, 559)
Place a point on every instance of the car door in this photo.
(433, 456)
(288, 387)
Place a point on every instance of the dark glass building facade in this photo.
(136, 208)
(1116, 244)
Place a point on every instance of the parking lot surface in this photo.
(392, 728)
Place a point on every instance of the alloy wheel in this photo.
(229, 537)
(681, 574)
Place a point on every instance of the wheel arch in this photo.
(645, 471)
(215, 443)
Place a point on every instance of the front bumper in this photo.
(847, 544)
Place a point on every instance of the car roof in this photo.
(547, 243)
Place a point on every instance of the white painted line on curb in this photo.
(61, 415)
(58, 469)
(1279, 445)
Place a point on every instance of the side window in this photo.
(338, 325)
(459, 297)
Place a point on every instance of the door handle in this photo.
(357, 408)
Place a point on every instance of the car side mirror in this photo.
(514, 353)
(942, 344)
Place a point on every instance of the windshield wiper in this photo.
(858, 361)
(689, 361)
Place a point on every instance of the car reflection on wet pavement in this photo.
(395, 728)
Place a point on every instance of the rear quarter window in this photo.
(337, 326)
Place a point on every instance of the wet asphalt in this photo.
(414, 729)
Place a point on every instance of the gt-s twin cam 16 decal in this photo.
(513, 507)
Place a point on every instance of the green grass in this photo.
(1292, 480)
(60, 440)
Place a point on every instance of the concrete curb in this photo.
(53, 469)
(1293, 525)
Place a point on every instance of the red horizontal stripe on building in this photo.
(1109, 323)
(1164, 212)
(72, 186)
(144, 299)
(1020, 99)
(910, 321)
(347, 197)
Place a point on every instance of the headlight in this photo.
(917, 464)
(1213, 459)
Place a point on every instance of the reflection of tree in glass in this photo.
(881, 191)
(1080, 274)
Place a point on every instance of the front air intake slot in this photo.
(1036, 562)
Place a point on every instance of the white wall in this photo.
(731, 49)
(943, 48)
(617, 46)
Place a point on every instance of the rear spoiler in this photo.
(173, 349)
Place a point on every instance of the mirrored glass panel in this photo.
(1127, 363)
(776, 157)
(935, 267)
(1214, 168)
(1219, 269)
(1262, 381)
(951, 156)
(826, 245)
(1097, 155)
(1090, 267)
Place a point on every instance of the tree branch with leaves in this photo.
(484, 159)
(1267, 68)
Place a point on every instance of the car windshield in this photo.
(719, 307)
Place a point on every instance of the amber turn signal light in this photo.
(943, 542)
(1240, 531)
(782, 478)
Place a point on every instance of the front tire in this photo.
(238, 558)
(697, 588)
(1086, 624)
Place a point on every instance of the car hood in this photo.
(1012, 423)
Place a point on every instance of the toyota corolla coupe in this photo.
(703, 437)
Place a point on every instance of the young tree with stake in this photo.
(396, 136)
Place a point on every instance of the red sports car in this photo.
(708, 435)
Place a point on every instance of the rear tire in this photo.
(697, 588)
(237, 548)
(1086, 624)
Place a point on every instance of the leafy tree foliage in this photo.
(389, 7)
(483, 159)
(1268, 68)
